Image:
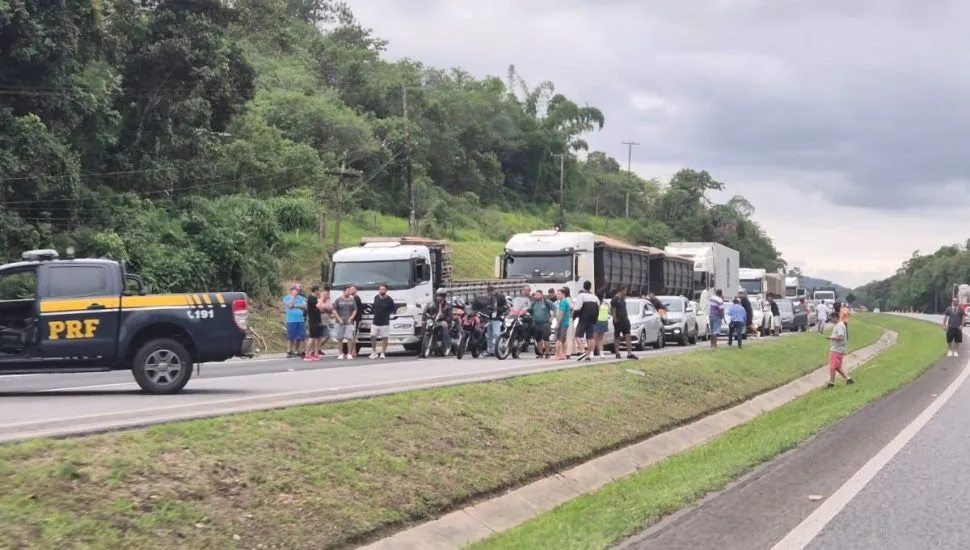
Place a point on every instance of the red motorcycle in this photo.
(472, 337)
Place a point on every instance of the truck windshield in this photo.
(790, 291)
(824, 295)
(537, 269)
(751, 286)
(396, 274)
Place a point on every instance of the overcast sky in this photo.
(845, 123)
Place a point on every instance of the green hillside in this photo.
(205, 143)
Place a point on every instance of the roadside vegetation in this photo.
(924, 283)
(628, 506)
(331, 475)
(203, 143)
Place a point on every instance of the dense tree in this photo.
(186, 136)
(923, 282)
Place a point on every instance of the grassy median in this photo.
(336, 474)
(623, 508)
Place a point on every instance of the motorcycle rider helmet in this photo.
(458, 302)
(442, 293)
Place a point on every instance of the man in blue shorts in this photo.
(295, 307)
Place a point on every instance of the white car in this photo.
(703, 321)
(681, 323)
(759, 318)
(646, 327)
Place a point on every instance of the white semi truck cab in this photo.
(413, 268)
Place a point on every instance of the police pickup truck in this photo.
(88, 315)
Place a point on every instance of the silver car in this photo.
(681, 323)
(646, 328)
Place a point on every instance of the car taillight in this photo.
(240, 314)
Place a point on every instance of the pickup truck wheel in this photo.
(162, 366)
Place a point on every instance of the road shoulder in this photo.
(766, 504)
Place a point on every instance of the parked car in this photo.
(703, 321)
(646, 328)
(812, 313)
(681, 323)
(793, 315)
(758, 317)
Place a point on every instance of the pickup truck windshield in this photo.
(538, 269)
(370, 275)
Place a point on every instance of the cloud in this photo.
(855, 109)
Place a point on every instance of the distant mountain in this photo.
(812, 283)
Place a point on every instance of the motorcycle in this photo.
(473, 337)
(432, 341)
(516, 331)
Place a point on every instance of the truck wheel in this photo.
(162, 366)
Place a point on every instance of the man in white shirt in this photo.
(823, 316)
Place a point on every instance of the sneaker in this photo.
(829, 385)
(308, 357)
(381, 356)
(850, 381)
(583, 356)
(291, 355)
(631, 356)
(374, 355)
(317, 357)
(956, 354)
(341, 356)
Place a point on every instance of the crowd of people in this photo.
(315, 319)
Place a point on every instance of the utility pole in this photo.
(629, 159)
(408, 172)
(562, 191)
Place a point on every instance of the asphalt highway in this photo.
(890, 477)
(46, 405)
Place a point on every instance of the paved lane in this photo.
(919, 499)
(58, 405)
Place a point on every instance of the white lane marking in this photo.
(806, 531)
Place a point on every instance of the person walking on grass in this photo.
(621, 325)
(295, 306)
(564, 319)
(345, 312)
(381, 325)
(839, 344)
(738, 321)
(953, 320)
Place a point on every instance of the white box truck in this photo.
(715, 266)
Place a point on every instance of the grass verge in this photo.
(628, 506)
(330, 475)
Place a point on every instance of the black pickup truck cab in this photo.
(88, 315)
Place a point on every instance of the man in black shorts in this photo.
(587, 308)
(953, 319)
(621, 324)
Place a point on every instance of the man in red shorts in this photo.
(839, 344)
